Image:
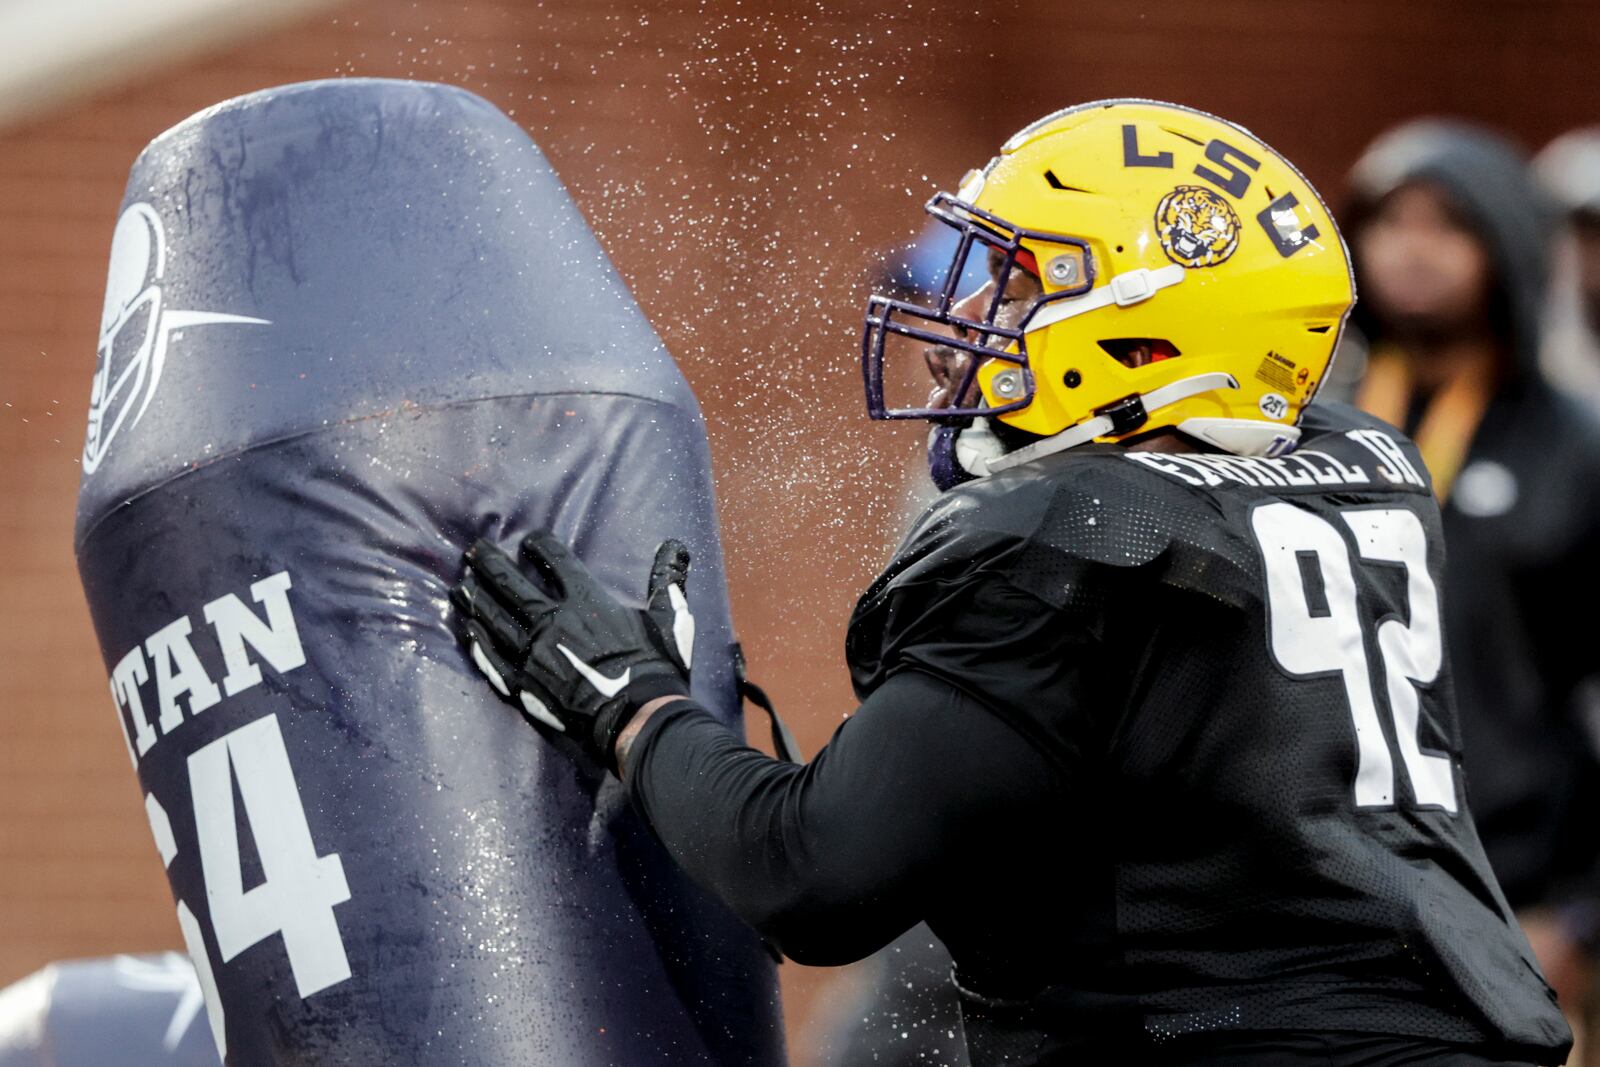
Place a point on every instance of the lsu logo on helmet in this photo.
(1196, 227)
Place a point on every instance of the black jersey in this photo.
(1237, 666)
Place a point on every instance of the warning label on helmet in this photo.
(1277, 372)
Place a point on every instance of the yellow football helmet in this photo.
(1189, 277)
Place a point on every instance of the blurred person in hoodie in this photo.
(1569, 170)
(1451, 241)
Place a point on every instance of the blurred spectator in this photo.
(1569, 170)
(1451, 239)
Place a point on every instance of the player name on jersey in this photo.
(1307, 468)
(169, 657)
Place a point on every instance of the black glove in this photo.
(569, 654)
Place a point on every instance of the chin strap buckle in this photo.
(1126, 415)
(1133, 287)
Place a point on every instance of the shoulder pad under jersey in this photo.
(1078, 528)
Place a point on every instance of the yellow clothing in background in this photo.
(1445, 431)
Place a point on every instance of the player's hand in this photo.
(567, 652)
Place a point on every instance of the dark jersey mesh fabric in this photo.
(1250, 844)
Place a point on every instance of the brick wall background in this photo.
(742, 163)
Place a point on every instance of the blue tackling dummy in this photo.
(351, 326)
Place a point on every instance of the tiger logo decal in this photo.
(1197, 227)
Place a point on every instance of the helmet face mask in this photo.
(1190, 278)
(1072, 262)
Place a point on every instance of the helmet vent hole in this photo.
(1056, 183)
(1139, 351)
(1324, 328)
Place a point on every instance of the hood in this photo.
(1569, 170)
(1488, 177)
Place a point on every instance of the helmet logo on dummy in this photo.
(1197, 228)
(135, 330)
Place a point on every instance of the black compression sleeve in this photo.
(832, 860)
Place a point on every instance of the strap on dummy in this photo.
(783, 741)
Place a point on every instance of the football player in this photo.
(1156, 730)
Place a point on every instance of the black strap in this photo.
(783, 741)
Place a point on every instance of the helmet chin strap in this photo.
(1102, 425)
(1126, 289)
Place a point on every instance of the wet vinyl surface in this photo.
(379, 860)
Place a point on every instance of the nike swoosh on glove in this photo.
(570, 655)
